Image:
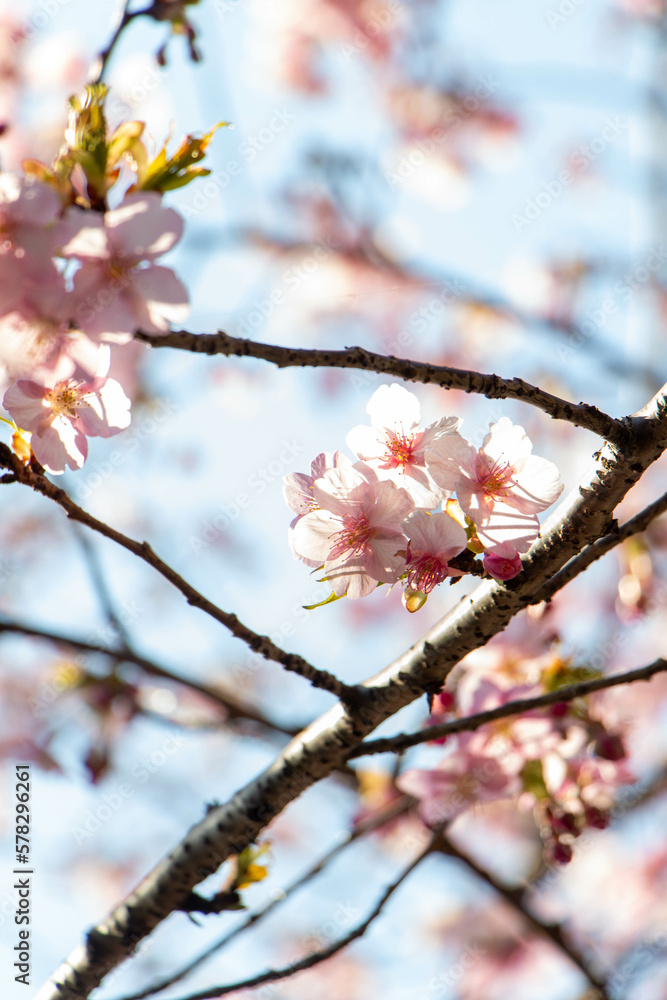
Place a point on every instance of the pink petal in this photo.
(141, 228)
(25, 401)
(59, 444)
(81, 234)
(450, 460)
(160, 299)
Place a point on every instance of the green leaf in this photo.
(329, 600)
(532, 777)
(166, 174)
(560, 673)
(124, 140)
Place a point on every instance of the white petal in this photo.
(394, 407)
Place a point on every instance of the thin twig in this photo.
(394, 744)
(491, 386)
(104, 56)
(155, 10)
(597, 549)
(261, 644)
(316, 957)
(366, 826)
(516, 899)
(234, 708)
(100, 585)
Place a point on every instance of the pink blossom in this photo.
(298, 491)
(116, 296)
(28, 210)
(298, 487)
(501, 487)
(395, 447)
(355, 531)
(461, 780)
(60, 417)
(503, 562)
(36, 338)
(434, 540)
(514, 741)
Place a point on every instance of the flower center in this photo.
(494, 477)
(352, 539)
(425, 571)
(64, 399)
(400, 450)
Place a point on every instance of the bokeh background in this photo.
(468, 183)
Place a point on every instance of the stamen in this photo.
(496, 479)
(64, 399)
(352, 539)
(400, 450)
(425, 572)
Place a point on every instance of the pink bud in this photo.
(502, 562)
(560, 853)
(609, 746)
(598, 819)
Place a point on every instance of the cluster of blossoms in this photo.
(77, 276)
(560, 763)
(392, 515)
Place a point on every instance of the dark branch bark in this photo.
(361, 829)
(234, 708)
(258, 643)
(316, 957)
(516, 898)
(591, 553)
(394, 744)
(491, 386)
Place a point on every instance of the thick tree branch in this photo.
(517, 900)
(491, 386)
(28, 476)
(234, 708)
(374, 822)
(581, 517)
(395, 744)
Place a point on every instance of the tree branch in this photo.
(491, 386)
(235, 708)
(155, 10)
(395, 744)
(28, 476)
(394, 809)
(325, 745)
(591, 553)
(317, 957)
(517, 900)
(103, 58)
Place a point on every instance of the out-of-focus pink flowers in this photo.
(28, 211)
(461, 780)
(355, 531)
(115, 294)
(395, 446)
(62, 415)
(36, 340)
